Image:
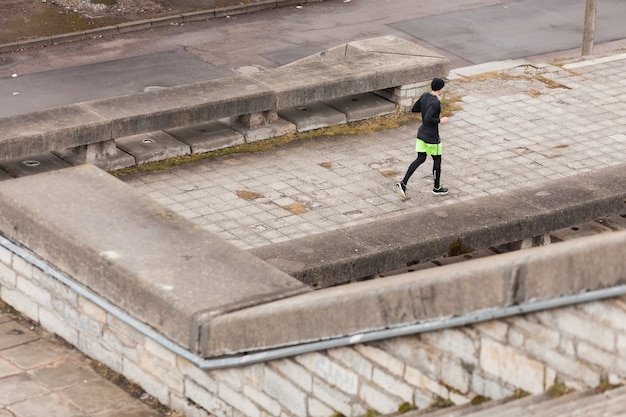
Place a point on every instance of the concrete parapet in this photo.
(54, 129)
(494, 282)
(152, 263)
(367, 250)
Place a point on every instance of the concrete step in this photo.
(584, 403)
(609, 403)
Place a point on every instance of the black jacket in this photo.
(430, 107)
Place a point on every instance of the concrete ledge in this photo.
(355, 71)
(153, 146)
(501, 281)
(157, 266)
(367, 250)
(54, 129)
(34, 164)
(207, 137)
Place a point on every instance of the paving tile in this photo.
(35, 354)
(14, 334)
(51, 405)
(17, 388)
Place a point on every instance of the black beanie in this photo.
(437, 84)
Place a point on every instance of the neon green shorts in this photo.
(428, 148)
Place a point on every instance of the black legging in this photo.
(421, 157)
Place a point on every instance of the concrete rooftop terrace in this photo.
(494, 112)
(520, 124)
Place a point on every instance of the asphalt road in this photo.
(465, 31)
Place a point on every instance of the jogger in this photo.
(428, 141)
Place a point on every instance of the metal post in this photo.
(590, 25)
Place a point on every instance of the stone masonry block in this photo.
(22, 267)
(353, 360)
(572, 323)
(238, 401)
(56, 324)
(162, 372)
(379, 401)
(196, 375)
(190, 409)
(279, 388)
(569, 369)
(296, 373)
(8, 277)
(329, 395)
(489, 388)
(206, 399)
(90, 326)
(330, 372)
(318, 409)
(497, 330)
(111, 340)
(66, 311)
(87, 308)
(595, 356)
(124, 333)
(265, 402)
(58, 290)
(607, 312)
(420, 381)
(512, 367)
(458, 399)
(21, 302)
(152, 384)
(165, 357)
(382, 358)
(455, 374)
(392, 385)
(455, 342)
(6, 256)
(545, 335)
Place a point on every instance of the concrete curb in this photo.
(151, 24)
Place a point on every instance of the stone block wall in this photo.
(580, 346)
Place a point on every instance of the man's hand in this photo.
(443, 120)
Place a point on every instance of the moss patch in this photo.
(459, 248)
(406, 407)
(479, 399)
(559, 390)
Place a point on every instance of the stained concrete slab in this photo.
(362, 106)
(206, 137)
(34, 164)
(152, 146)
(312, 116)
